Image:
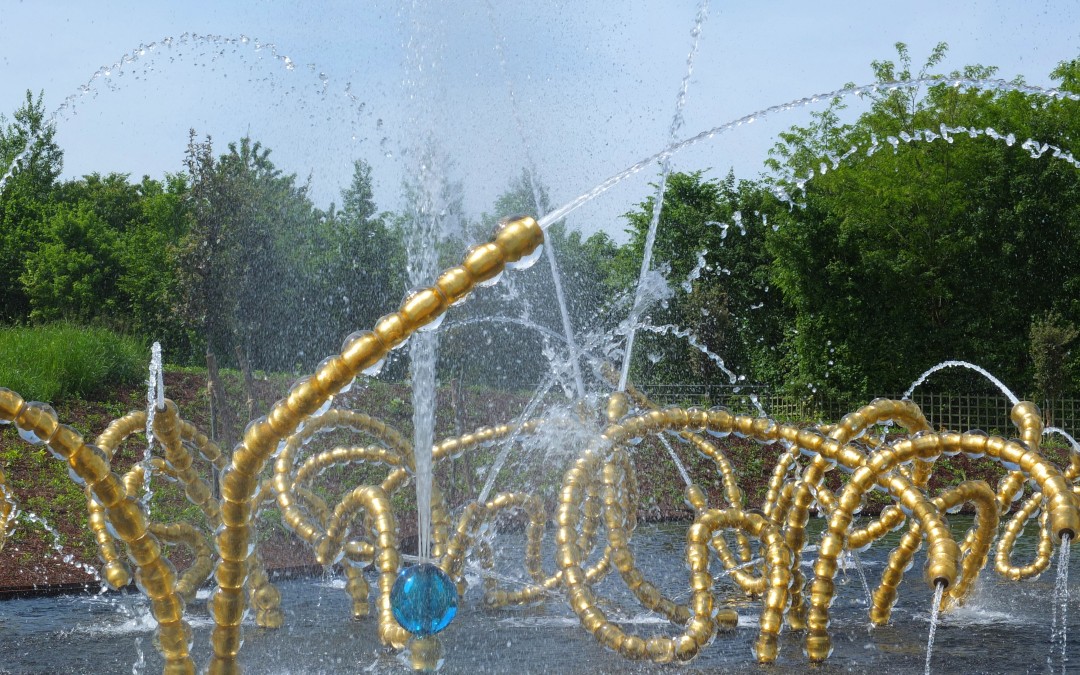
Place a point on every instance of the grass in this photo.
(62, 361)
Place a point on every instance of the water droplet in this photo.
(39, 409)
(528, 261)
(491, 282)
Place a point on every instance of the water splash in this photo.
(155, 389)
(691, 339)
(147, 52)
(695, 273)
(58, 546)
(862, 577)
(8, 497)
(944, 132)
(421, 248)
(938, 592)
(970, 366)
(1059, 623)
(541, 205)
(500, 460)
(155, 400)
(140, 660)
(675, 458)
(661, 186)
(1073, 443)
(423, 352)
(508, 320)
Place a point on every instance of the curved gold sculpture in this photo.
(599, 488)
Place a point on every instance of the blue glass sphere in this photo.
(424, 599)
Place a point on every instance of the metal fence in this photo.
(944, 410)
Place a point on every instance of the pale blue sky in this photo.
(595, 81)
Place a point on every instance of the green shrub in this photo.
(62, 360)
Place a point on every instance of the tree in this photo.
(711, 241)
(105, 256)
(942, 246)
(72, 274)
(28, 151)
(148, 281)
(361, 259)
(1050, 339)
(243, 279)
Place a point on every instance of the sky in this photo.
(579, 90)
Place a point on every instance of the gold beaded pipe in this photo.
(179, 461)
(475, 517)
(154, 575)
(199, 571)
(809, 488)
(732, 492)
(976, 550)
(701, 627)
(617, 505)
(943, 551)
(115, 570)
(513, 241)
(1025, 415)
(608, 493)
(1043, 550)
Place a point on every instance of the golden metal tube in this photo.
(155, 576)
(203, 565)
(658, 649)
(513, 241)
(1006, 543)
(943, 554)
(615, 475)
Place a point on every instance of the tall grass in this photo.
(60, 361)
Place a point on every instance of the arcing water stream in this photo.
(979, 84)
(935, 610)
(658, 199)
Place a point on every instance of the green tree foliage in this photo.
(28, 149)
(72, 275)
(711, 242)
(355, 261)
(105, 256)
(517, 324)
(931, 249)
(242, 275)
(264, 271)
(148, 266)
(940, 223)
(1050, 339)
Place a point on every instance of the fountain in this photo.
(760, 551)
(598, 491)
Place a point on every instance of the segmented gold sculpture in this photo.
(600, 487)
